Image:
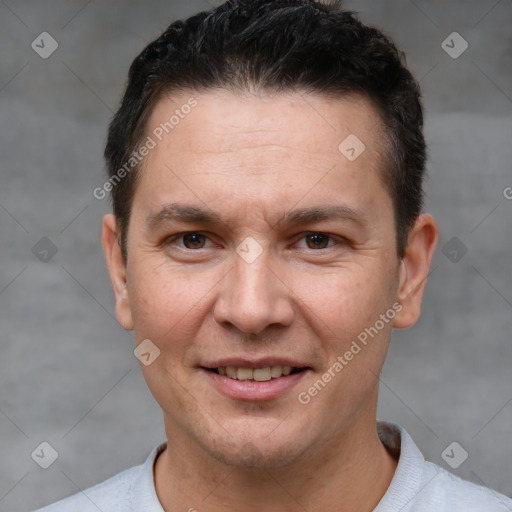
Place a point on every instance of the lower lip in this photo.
(253, 390)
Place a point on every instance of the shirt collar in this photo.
(143, 493)
(408, 478)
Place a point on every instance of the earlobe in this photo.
(414, 269)
(117, 270)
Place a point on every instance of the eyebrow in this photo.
(187, 213)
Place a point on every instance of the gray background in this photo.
(67, 371)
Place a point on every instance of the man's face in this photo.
(260, 288)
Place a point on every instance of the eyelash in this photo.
(174, 238)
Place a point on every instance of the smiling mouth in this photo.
(255, 374)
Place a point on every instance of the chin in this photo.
(251, 457)
(257, 451)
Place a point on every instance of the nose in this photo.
(253, 296)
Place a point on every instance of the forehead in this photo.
(309, 118)
(219, 121)
(254, 146)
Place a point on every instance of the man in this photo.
(266, 169)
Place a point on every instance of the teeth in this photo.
(244, 374)
(231, 372)
(258, 374)
(276, 371)
(262, 374)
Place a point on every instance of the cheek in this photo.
(163, 301)
(165, 305)
(343, 303)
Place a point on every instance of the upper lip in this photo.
(242, 362)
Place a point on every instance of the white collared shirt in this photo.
(417, 486)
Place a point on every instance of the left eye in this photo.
(193, 239)
(317, 240)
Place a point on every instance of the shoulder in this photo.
(446, 491)
(111, 495)
(131, 490)
(422, 486)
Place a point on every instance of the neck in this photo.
(349, 473)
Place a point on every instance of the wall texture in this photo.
(68, 375)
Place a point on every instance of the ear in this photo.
(117, 270)
(414, 270)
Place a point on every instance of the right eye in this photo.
(191, 240)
